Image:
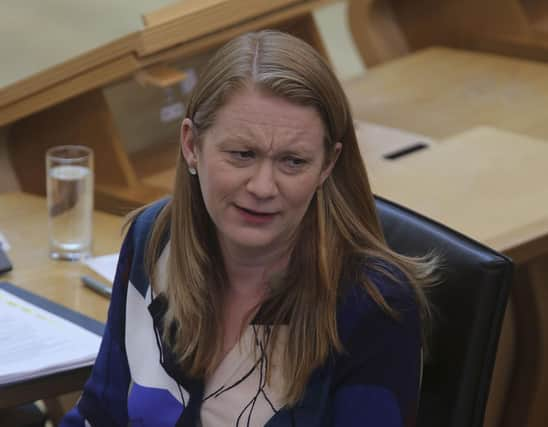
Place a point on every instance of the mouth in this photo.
(253, 212)
(255, 216)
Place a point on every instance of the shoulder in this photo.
(136, 240)
(358, 309)
(142, 224)
(377, 374)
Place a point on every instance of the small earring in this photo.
(192, 171)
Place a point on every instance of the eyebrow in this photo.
(248, 140)
(286, 151)
(240, 142)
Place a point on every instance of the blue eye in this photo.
(242, 155)
(294, 162)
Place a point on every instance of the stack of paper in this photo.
(105, 265)
(36, 342)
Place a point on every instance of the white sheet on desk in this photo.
(36, 342)
(376, 141)
(4, 244)
(104, 265)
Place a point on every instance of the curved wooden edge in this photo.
(62, 91)
(179, 23)
(281, 20)
(384, 29)
(160, 76)
(177, 10)
(95, 58)
(376, 31)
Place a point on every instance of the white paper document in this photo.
(4, 244)
(104, 265)
(35, 342)
(376, 141)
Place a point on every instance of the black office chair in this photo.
(469, 304)
(28, 415)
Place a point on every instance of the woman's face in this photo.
(258, 166)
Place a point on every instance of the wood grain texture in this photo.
(387, 29)
(91, 78)
(305, 28)
(376, 31)
(476, 183)
(67, 70)
(179, 23)
(160, 75)
(179, 9)
(84, 120)
(280, 19)
(511, 45)
(24, 222)
(439, 92)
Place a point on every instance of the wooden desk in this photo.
(386, 29)
(492, 186)
(439, 92)
(62, 103)
(486, 183)
(23, 220)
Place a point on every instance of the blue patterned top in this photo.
(135, 380)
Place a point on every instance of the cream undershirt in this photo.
(237, 394)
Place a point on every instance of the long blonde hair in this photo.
(339, 227)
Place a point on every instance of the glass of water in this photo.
(69, 170)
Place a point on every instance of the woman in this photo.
(262, 292)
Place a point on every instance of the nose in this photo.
(262, 183)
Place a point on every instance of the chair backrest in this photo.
(469, 306)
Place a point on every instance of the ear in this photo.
(189, 145)
(334, 155)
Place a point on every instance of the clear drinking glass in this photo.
(69, 170)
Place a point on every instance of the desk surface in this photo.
(439, 92)
(486, 183)
(23, 221)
